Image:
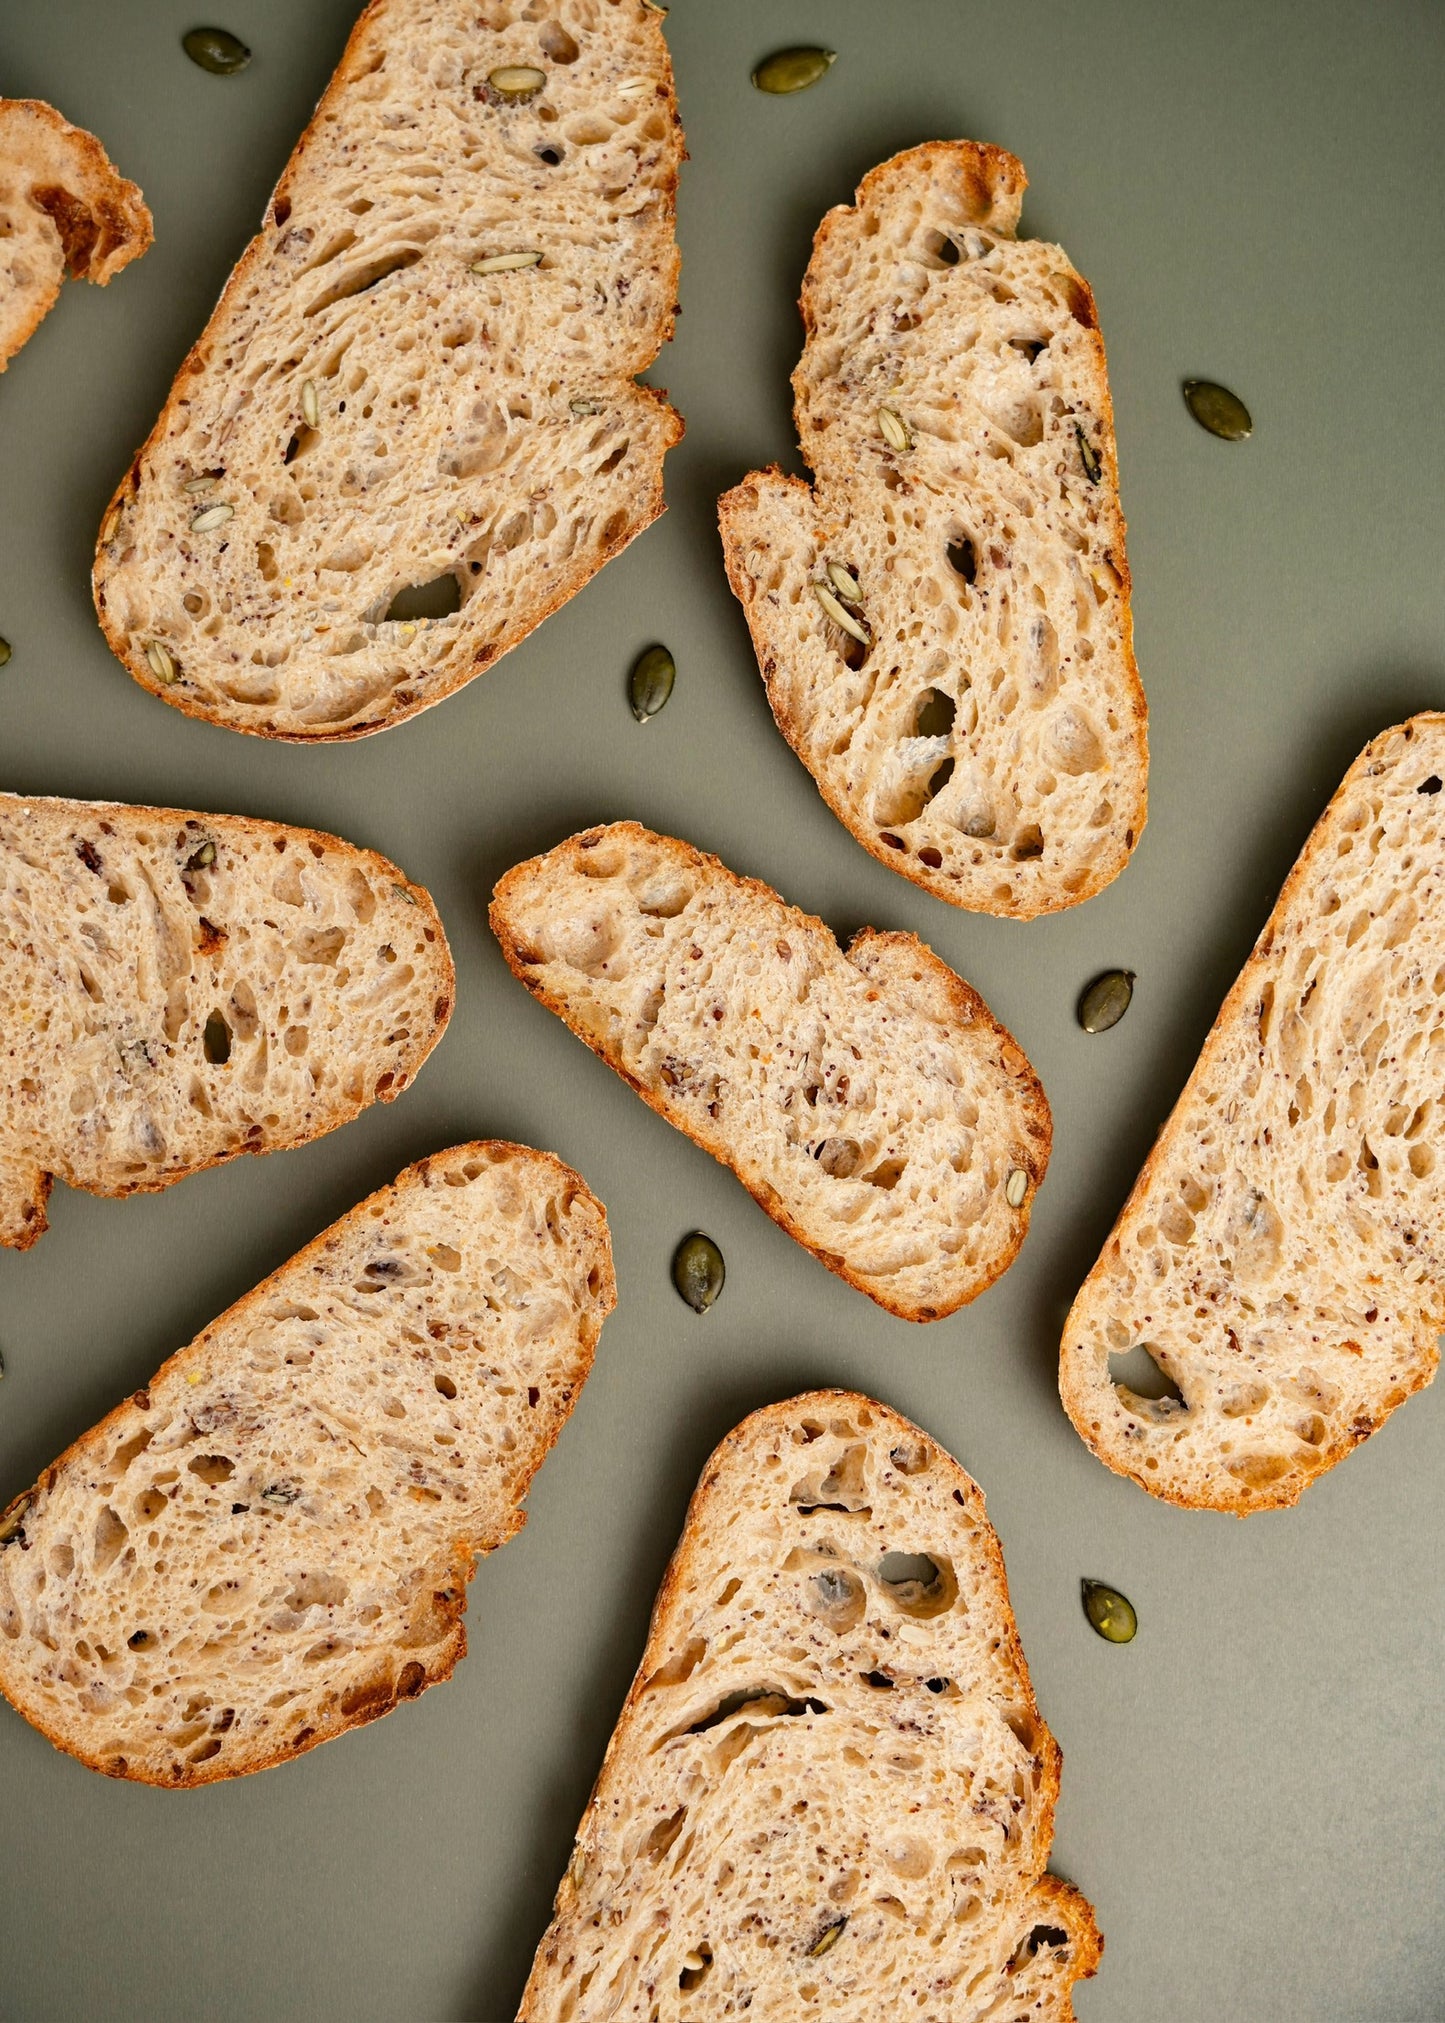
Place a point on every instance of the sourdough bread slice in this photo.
(271, 1542)
(1282, 1255)
(63, 208)
(968, 705)
(178, 988)
(366, 414)
(869, 1101)
(830, 1791)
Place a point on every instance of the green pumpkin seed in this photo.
(827, 1939)
(161, 664)
(517, 81)
(4, 652)
(1016, 1187)
(310, 405)
(893, 430)
(1093, 467)
(650, 683)
(216, 1040)
(216, 50)
(204, 858)
(1110, 1613)
(698, 1271)
(839, 615)
(793, 69)
(213, 516)
(1215, 408)
(505, 263)
(845, 583)
(1106, 1000)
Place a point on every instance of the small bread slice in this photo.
(176, 989)
(868, 1100)
(366, 415)
(830, 1791)
(968, 702)
(63, 208)
(1281, 1258)
(271, 1542)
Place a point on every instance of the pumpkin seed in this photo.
(1016, 1187)
(203, 858)
(839, 615)
(650, 683)
(1110, 1613)
(698, 1271)
(587, 404)
(4, 652)
(516, 81)
(216, 50)
(204, 483)
(1106, 1000)
(894, 431)
(112, 524)
(216, 1040)
(827, 1939)
(161, 664)
(654, 6)
(1093, 468)
(212, 517)
(1215, 408)
(310, 406)
(845, 583)
(793, 69)
(13, 1520)
(505, 263)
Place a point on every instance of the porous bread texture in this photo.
(1282, 1254)
(271, 1542)
(830, 1791)
(178, 988)
(988, 740)
(63, 208)
(482, 433)
(868, 1100)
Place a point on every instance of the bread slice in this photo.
(1282, 1255)
(869, 1101)
(271, 1542)
(830, 1791)
(63, 208)
(969, 707)
(366, 415)
(177, 988)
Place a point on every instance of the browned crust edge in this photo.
(1287, 1491)
(251, 826)
(1072, 1905)
(451, 1600)
(969, 1006)
(647, 509)
(975, 159)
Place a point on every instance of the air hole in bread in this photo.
(557, 43)
(758, 1703)
(438, 598)
(696, 1967)
(1142, 1383)
(212, 1468)
(369, 275)
(963, 558)
(917, 1583)
(934, 714)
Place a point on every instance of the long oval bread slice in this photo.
(830, 1791)
(1281, 1258)
(178, 988)
(868, 1100)
(367, 415)
(64, 208)
(271, 1542)
(942, 618)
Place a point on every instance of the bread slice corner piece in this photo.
(64, 208)
(1274, 1279)
(179, 988)
(942, 619)
(270, 1543)
(380, 468)
(866, 1098)
(830, 1790)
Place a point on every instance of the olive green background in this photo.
(1253, 1791)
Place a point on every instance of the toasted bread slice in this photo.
(367, 415)
(271, 1542)
(830, 1791)
(968, 704)
(1281, 1258)
(177, 988)
(869, 1101)
(63, 209)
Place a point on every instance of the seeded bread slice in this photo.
(1282, 1254)
(366, 415)
(177, 988)
(271, 1542)
(869, 1101)
(830, 1791)
(63, 208)
(966, 699)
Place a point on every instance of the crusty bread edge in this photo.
(452, 1602)
(969, 1006)
(132, 656)
(1073, 1388)
(392, 873)
(973, 154)
(1072, 1904)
